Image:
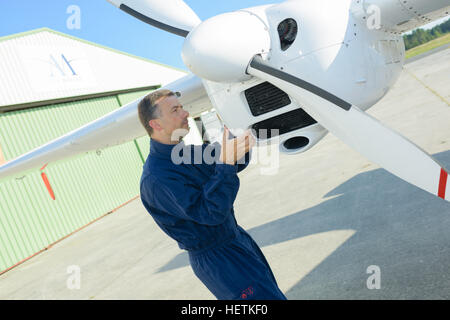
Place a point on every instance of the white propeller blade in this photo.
(174, 16)
(360, 131)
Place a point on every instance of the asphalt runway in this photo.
(331, 224)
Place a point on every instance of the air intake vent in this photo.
(286, 122)
(265, 97)
(287, 30)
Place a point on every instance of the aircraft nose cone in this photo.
(220, 48)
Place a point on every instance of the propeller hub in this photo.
(220, 48)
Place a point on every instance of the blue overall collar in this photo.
(162, 150)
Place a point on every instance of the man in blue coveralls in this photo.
(192, 201)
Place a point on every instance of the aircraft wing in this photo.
(401, 15)
(112, 129)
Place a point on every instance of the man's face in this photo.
(173, 119)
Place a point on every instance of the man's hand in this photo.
(234, 149)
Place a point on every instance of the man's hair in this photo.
(148, 108)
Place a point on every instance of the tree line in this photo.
(421, 36)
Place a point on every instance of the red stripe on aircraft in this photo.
(442, 184)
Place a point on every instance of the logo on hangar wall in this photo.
(53, 68)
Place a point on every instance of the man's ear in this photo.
(154, 123)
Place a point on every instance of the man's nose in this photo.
(186, 115)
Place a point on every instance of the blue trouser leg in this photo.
(237, 270)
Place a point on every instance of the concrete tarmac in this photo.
(331, 224)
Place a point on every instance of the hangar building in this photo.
(52, 83)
